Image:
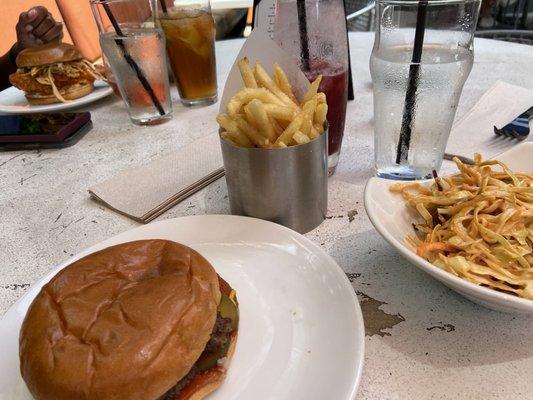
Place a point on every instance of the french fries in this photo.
(280, 112)
(277, 127)
(237, 138)
(247, 74)
(307, 124)
(300, 138)
(310, 106)
(248, 130)
(313, 89)
(315, 132)
(267, 114)
(283, 82)
(267, 82)
(320, 114)
(288, 133)
(227, 123)
(255, 111)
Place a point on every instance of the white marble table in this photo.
(423, 340)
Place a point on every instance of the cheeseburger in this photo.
(53, 73)
(145, 320)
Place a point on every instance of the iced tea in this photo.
(190, 36)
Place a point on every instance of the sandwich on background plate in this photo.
(144, 320)
(54, 73)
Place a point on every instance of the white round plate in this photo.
(12, 100)
(301, 332)
(392, 219)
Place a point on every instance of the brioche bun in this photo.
(125, 323)
(46, 54)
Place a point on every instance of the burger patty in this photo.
(219, 337)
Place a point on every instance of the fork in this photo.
(518, 128)
(463, 159)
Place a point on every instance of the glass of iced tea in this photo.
(327, 55)
(190, 35)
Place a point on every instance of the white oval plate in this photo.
(301, 334)
(12, 100)
(392, 219)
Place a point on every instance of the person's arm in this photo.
(34, 27)
(7, 67)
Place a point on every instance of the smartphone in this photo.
(33, 131)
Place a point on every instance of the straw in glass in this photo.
(302, 27)
(134, 66)
(163, 6)
(404, 142)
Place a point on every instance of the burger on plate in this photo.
(144, 320)
(53, 73)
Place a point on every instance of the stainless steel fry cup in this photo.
(286, 185)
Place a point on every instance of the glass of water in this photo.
(436, 82)
(134, 48)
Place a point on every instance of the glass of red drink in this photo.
(327, 56)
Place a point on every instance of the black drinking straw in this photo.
(302, 27)
(131, 61)
(163, 6)
(402, 149)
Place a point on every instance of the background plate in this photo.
(392, 219)
(301, 333)
(12, 100)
